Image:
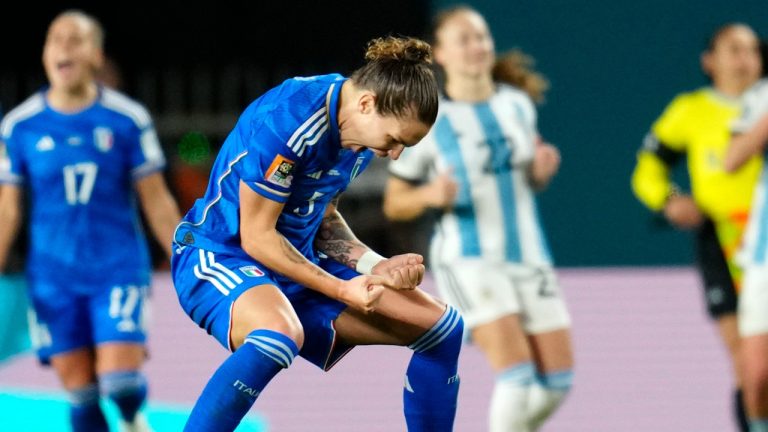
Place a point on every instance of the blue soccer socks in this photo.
(432, 380)
(237, 383)
(85, 413)
(127, 389)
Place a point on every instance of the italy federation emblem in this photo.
(103, 139)
(252, 271)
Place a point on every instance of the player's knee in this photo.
(756, 379)
(547, 395)
(291, 329)
(555, 385)
(84, 395)
(278, 346)
(445, 337)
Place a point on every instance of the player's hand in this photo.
(441, 192)
(362, 293)
(401, 272)
(682, 212)
(546, 162)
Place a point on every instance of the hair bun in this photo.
(399, 49)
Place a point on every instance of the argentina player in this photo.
(753, 302)
(480, 166)
(84, 154)
(265, 263)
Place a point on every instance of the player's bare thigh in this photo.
(119, 356)
(264, 307)
(503, 342)
(80, 367)
(552, 350)
(75, 368)
(399, 319)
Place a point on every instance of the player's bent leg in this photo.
(434, 332)
(118, 366)
(76, 371)
(266, 335)
(553, 356)
(727, 325)
(755, 353)
(753, 328)
(504, 344)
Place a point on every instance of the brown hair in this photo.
(398, 71)
(513, 67)
(516, 67)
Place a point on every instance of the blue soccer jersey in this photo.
(286, 148)
(80, 170)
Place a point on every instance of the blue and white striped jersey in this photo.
(755, 244)
(79, 170)
(285, 147)
(488, 148)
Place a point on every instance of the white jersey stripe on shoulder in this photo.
(33, 105)
(315, 126)
(314, 140)
(304, 126)
(116, 101)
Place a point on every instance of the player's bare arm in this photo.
(261, 240)
(10, 217)
(160, 208)
(337, 240)
(745, 146)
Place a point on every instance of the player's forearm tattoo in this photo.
(291, 253)
(336, 240)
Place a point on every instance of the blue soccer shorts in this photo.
(66, 316)
(208, 284)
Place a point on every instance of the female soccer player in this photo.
(84, 153)
(266, 264)
(697, 124)
(480, 165)
(753, 302)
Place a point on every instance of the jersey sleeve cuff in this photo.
(269, 192)
(10, 178)
(146, 169)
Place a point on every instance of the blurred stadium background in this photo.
(647, 358)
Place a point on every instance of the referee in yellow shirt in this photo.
(696, 125)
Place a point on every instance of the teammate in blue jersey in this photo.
(84, 154)
(265, 263)
(480, 165)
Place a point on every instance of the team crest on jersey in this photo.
(356, 168)
(5, 161)
(252, 271)
(45, 144)
(103, 139)
(280, 171)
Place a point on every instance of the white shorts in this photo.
(484, 292)
(753, 301)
